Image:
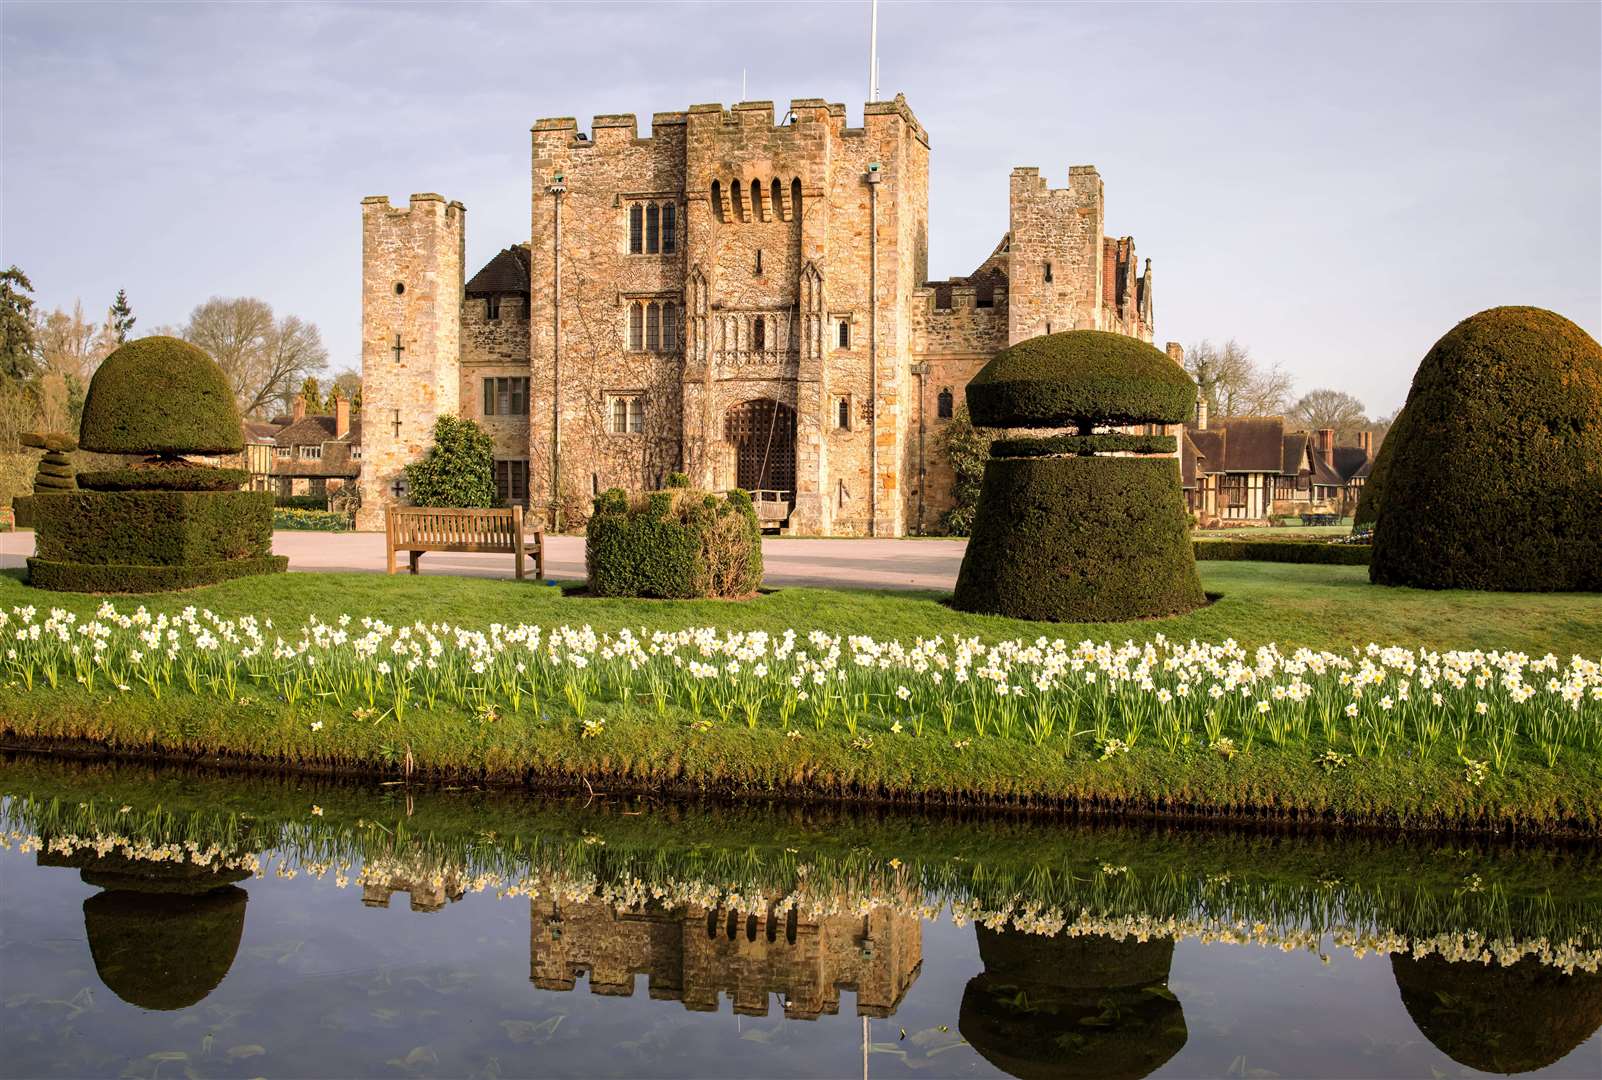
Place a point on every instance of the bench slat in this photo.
(416, 530)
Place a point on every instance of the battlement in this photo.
(1083, 181)
(373, 204)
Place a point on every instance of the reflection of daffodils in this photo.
(1223, 910)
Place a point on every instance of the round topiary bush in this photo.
(162, 396)
(1061, 533)
(1495, 480)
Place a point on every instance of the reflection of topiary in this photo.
(164, 950)
(674, 544)
(1494, 480)
(1063, 534)
(1499, 1019)
(160, 395)
(1072, 1006)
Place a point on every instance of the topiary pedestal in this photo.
(151, 541)
(1095, 539)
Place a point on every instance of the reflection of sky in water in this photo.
(325, 986)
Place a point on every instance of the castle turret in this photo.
(1055, 262)
(411, 328)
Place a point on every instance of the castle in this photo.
(743, 301)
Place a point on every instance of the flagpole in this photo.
(873, 51)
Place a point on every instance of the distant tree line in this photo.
(1234, 384)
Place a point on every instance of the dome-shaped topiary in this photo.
(1059, 532)
(1078, 379)
(1495, 480)
(160, 395)
(1373, 491)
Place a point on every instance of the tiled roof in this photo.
(1295, 454)
(260, 431)
(1254, 444)
(508, 272)
(313, 430)
(1350, 461)
(1209, 447)
(1323, 475)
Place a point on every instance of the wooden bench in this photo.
(416, 529)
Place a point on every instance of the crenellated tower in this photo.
(412, 262)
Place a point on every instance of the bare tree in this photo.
(70, 345)
(1234, 384)
(1326, 408)
(266, 359)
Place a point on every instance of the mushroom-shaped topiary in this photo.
(1061, 533)
(1495, 479)
(160, 396)
(165, 522)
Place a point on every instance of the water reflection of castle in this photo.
(164, 936)
(692, 954)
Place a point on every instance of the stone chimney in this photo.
(341, 415)
(1326, 446)
(1201, 411)
(1365, 442)
(299, 412)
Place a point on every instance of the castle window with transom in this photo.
(626, 414)
(653, 228)
(653, 326)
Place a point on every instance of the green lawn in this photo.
(1319, 606)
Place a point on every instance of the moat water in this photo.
(156, 923)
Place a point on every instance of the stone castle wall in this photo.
(411, 295)
(803, 226)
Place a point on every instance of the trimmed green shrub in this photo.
(1086, 445)
(674, 544)
(1059, 533)
(1283, 551)
(1088, 539)
(55, 471)
(160, 395)
(301, 502)
(1495, 480)
(174, 478)
(153, 539)
(52, 441)
(457, 471)
(164, 951)
(678, 480)
(1079, 379)
(312, 520)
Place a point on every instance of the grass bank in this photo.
(1204, 731)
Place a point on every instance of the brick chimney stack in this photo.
(1326, 446)
(1365, 442)
(341, 415)
(300, 407)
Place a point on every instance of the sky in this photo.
(1333, 185)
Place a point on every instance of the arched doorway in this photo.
(762, 432)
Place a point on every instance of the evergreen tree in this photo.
(17, 359)
(458, 470)
(313, 393)
(120, 319)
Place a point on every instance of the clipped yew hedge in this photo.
(1102, 538)
(149, 541)
(1080, 378)
(1110, 442)
(1283, 551)
(160, 395)
(676, 544)
(1495, 480)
